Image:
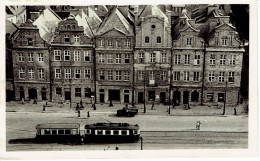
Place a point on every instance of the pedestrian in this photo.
(43, 108)
(177, 102)
(235, 111)
(198, 125)
(152, 108)
(117, 148)
(88, 115)
(81, 104)
(168, 108)
(173, 106)
(22, 100)
(94, 106)
(188, 105)
(35, 100)
(78, 113)
(108, 148)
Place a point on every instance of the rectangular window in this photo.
(41, 73)
(152, 56)
(118, 58)
(210, 97)
(197, 60)
(109, 43)
(77, 73)
(124, 132)
(140, 75)
(186, 59)
(211, 76)
(101, 58)
(164, 58)
(101, 43)
(88, 92)
(21, 74)
(30, 57)
(221, 77)
(61, 132)
(212, 59)
(186, 76)
(118, 43)
(177, 59)
(20, 57)
(115, 132)
(47, 132)
(163, 76)
(177, 76)
(222, 60)
(231, 77)
(87, 74)
(87, 55)
(40, 57)
(224, 41)
(31, 73)
(196, 76)
(67, 132)
(76, 55)
(57, 55)
(67, 38)
(101, 75)
(189, 41)
(107, 132)
(67, 74)
(57, 73)
(127, 58)
(77, 92)
(66, 55)
(127, 75)
(58, 91)
(29, 42)
(118, 75)
(76, 38)
(127, 43)
(109, 75)
(109, 58)
(141, 57)
(151, 75)
(232, 60)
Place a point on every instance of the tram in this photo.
(111, 132)
(58, 132)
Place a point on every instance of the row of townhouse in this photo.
(149, 59)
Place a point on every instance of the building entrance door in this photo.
(44, 94)
(67, 95)
(185, 97)
(101, 98)
(32, 93)
(126, 98)
(162, 97)
(140, 97)
(176, 98)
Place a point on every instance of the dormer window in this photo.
(67, 38)
(146, 39)
(29, 42)
(189, 41)
(159, 40)
(224, 41)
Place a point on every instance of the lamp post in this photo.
(224, 109)
(144, 93)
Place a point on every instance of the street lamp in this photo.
(224, 109)
(144, 92)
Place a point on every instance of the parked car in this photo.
(126, 111)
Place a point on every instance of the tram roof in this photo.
(112, 126)
(58, 126)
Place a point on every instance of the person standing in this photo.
(152, 106)
(22, 100)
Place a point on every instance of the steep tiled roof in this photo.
(93, 19)
(47, 23)
(115, 20)
(153, 10)
(82, 21)
(15, 10)
(10, 27)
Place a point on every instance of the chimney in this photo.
(169, 15)
(136, 14)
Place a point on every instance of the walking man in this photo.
(88, 115)
(78, 113)
(152, 106)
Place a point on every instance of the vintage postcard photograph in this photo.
(88, 79)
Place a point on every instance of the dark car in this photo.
(126, 111)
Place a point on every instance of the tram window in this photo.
(116, 132)
(124, 132)
(60, 131)
(74, 131)
(67, 132)
(135, 132)
(108, 132)
(47, 132)
(38, 132)
(54, 132)
(99, 132)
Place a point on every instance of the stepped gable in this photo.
(47, 22)
(115, 20)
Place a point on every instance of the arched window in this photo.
(146, 40)
(68, 27)
(159, 40)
